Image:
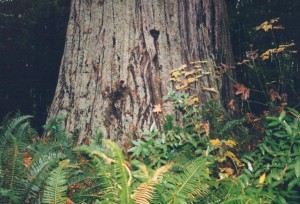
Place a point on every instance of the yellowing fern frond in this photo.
(234, 159)
(144, 193)
(160, 171)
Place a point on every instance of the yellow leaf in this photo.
(264, 26)
(266, 55)
(235, 160)
(278, 27)
(197, 67)
(226, 170)
(191, 80)
(180, 87)
(274, 20)
(215, 142)
(280, 49)
(192, 100)
(206, 128)
(188, 73)
(229, 143)
(262, 178)
(198, 62)
(175, 74)
(182, 67)
(157, 108)
(206, 73)
(268, 25)
(209, 89)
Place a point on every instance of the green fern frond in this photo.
(123, 177)
(14, 151)
(39, 170)
(113, 175)
(224, 189)
(12, 168)
(230, 125)
(55, 131)
(9, 195)
(20, 129)
(56, 185)
(244, 200)
(17, 121)
(191, 183)
(15, 137)
(229, 191)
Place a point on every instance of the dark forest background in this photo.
(32, 36)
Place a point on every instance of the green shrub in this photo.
(274, 168)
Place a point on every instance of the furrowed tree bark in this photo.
(118, 56)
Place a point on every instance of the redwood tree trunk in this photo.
(118, 56)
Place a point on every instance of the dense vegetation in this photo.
(184, 163)
(206, 157)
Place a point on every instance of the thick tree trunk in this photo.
(118, 56)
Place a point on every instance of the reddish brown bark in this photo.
(118, 55)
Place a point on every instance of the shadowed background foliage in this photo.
(32, 35)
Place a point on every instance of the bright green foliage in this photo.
(160, 148)
(230, 191)
(115, 176)
(28, 161)
(56, 185)
(142, 184)
(176, 140)
(14, 137)
(38, 171)
(186, 186)
(179, 164)
(274, 167)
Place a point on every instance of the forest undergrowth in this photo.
(205, 157)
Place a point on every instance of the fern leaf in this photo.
(191, 183)
(145, 192)
(16, 122)
(4, 193)
(115, 175)
(232, 124)
(123, 174)
(40, 169)
(56, 185)
(229, 191)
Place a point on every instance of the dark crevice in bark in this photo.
(144, 58)
(212, 24)
(155, 34)
(202, 15)
(182, 30)
(133, 75)
(166, 27)
(113, 41)
(119, 94)
(187, 14)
